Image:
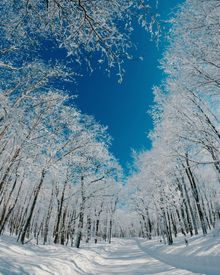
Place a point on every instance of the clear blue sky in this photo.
(123, 107)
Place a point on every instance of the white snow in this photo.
(202, 255)
(123, 256)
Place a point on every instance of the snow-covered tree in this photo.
(177, 181)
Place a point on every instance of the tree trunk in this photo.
(81, 215)
(6, 217)
(110, 231)
(188, 205)
(46, 227)
(63, 230)
(96, 231)
(89, 226)
(80, 227)
(56, 234)
(196, 196)
(28, 221)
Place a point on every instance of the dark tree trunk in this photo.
(28, 221)
(80, 227)
(81, 215)
(173, 225)
(47, 221)
(16, 154)
(169, 231)
(89, 226)
(96, 231)
(110, 231)
(196, 196)
(56, 233)
(63, 230)
(188, 205)
(72, 226)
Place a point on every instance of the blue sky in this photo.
(123, 107)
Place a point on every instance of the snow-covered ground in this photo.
(123, 256)
(202, 255)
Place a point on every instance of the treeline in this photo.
(57, 175)
(176, 186)
(58, 181)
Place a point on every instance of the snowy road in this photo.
(122, 257)
(128, 258)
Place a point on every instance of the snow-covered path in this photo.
(126, 257)
(122, 257)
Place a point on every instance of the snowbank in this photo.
(48, 259)
(201, 255)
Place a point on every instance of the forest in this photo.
(59, 181)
